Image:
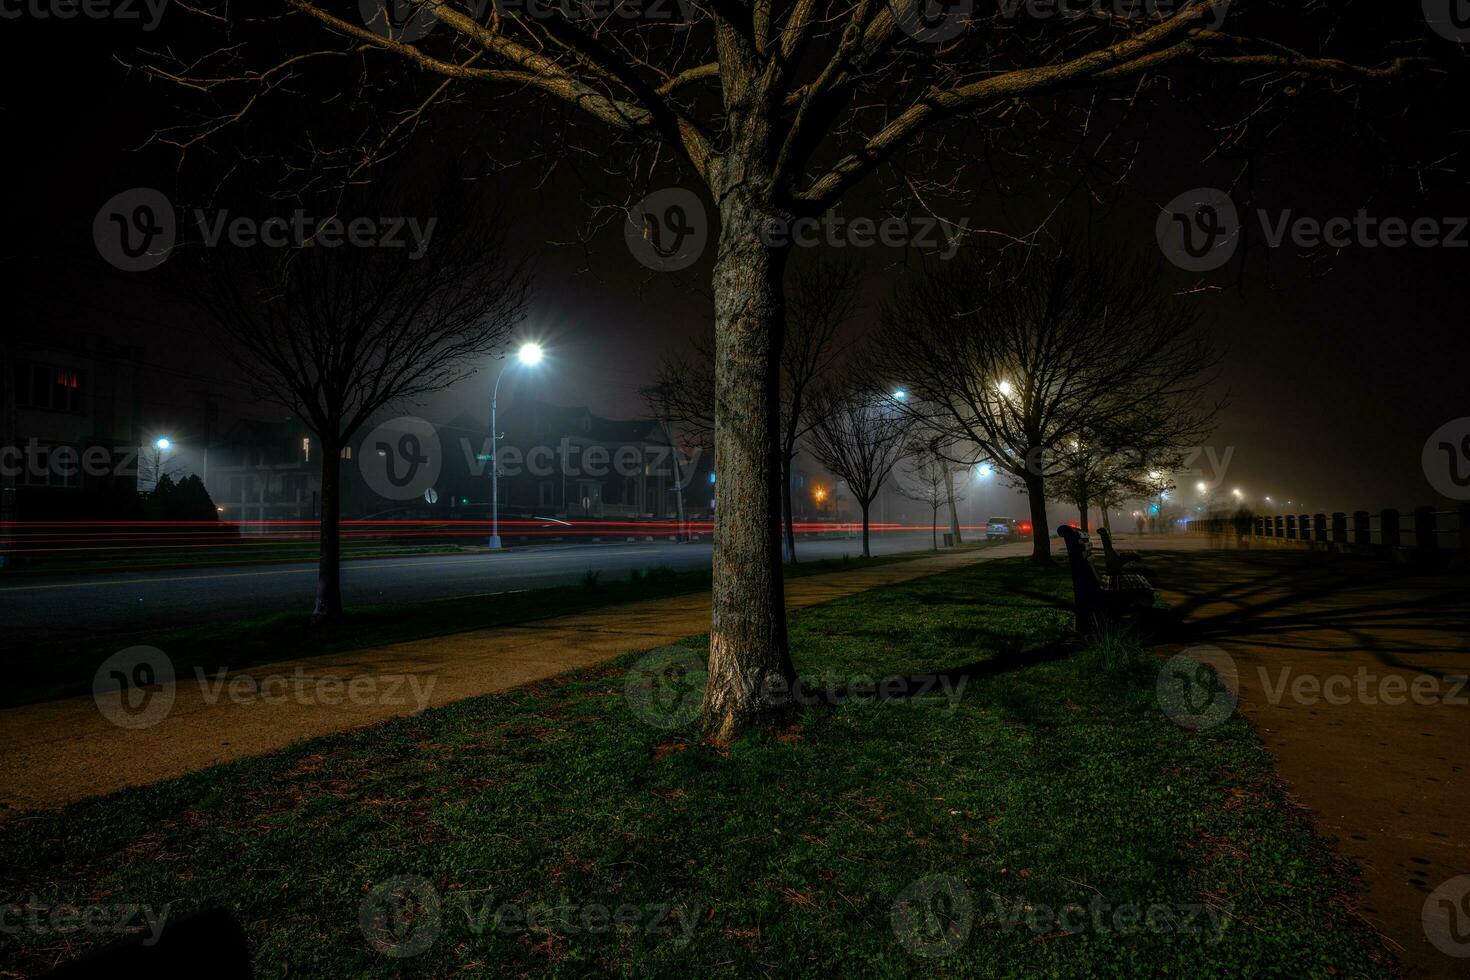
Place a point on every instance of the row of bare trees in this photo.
(1066, 368)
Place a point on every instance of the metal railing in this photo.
(1424, 529)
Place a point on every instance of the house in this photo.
(69, 427)
(571, 464)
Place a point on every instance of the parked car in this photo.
(1006, 529)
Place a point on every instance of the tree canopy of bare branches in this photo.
(1041, 354)
(336, 333)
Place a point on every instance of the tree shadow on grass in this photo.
(817, 691)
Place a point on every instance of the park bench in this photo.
(1115, 563)
(1100, 604)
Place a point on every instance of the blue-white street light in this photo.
(529, 355)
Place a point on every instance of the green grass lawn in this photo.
(64, 667)
(858, 842)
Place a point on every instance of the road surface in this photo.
(65, 605)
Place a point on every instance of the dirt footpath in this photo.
(1351, 671)
(55, 753)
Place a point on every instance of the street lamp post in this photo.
(529, 355)
(161, 446)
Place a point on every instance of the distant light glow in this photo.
(900, 395)
(162, 444)
(712, 477)
(1006, 389)
(530, 354)
(985, 472)
(1202, 487)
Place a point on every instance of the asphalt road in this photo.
(48, 608)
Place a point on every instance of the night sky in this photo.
(1337, 368)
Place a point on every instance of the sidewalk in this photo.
(1328, 651)
(58, 752)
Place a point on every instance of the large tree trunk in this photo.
(954, 513)
(1083, 506)
(329, 571)
(1040, 533)
(748, 653)
(1106, 520)
(790, 518)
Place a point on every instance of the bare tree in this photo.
(858, 435)
(1023, 351)
(823, 299)
(778, 108)
(1095, 475)
(929, 481)
(333, 334)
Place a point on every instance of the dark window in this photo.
(47, 386)
(51, 466)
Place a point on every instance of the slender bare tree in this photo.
(778, 108)
(1023, 351)
(928, 480)
(859, 434)
(335, 333)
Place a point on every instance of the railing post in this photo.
(1426, 536)
(1388, 528)
(1291, 527)
(1304, 527)
(1362, 528)
(1319, 526)
(1339, 527)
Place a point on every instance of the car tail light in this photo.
(1025, 526)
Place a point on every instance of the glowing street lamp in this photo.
(163, 444)
(529, 355)
(900, 395)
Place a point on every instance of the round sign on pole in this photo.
(431, 496)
